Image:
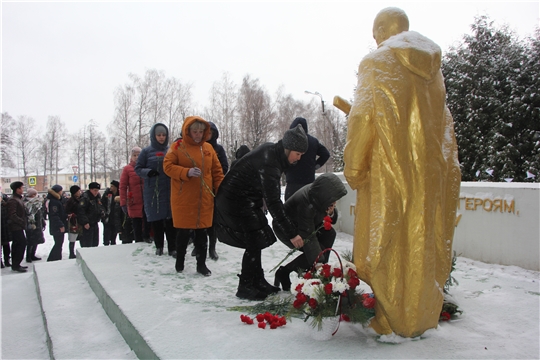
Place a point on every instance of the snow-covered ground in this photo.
(501, 306)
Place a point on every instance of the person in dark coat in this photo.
(240, 152)
(307, 208)
(304, 171)
(157, 188)
(36, 224)
(16, 225)
(6, 234)
(111, 207)
(58, 224)
(222, 156)
(239, 217)
(74, 228)
(89, 213)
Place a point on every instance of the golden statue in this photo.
(401, 157)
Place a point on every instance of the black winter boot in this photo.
(159, 251)
(212, 249)
(181, 245)
(282, 274)
(201, 247)
(260, 283)
(72, 250)
(247, 291)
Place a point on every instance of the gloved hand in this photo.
(194, 172)
(124, 209)
(153, 173)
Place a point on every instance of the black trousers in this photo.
(141, 228)
(162, 228)
(90, 236)
(56, 251)
(109, 234)
(18, 247)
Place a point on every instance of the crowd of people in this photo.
(174, 195)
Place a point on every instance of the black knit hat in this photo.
(15, 185)
(115, 183)
(295, 139)
(73, 190)
(56, 188)
(94, 185)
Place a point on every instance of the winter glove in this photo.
(153, 173)
(194, 172)
(124, 209)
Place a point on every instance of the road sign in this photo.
(75, 178)
(32, 181)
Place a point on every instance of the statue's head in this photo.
(389, 22)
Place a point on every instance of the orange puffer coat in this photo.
(192, 198)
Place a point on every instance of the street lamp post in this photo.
(335, 134)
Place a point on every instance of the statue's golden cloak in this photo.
(401, 157)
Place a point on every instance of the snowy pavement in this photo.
(186, 315)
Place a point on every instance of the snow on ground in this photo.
(501, 307)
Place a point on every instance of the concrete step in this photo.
(75, 320)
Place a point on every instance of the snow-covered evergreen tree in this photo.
(492, 92)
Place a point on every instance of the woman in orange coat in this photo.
(196, 173)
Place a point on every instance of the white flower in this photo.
(295, 284)
(310, 287)
(339, 285)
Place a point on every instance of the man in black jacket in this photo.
(111, 207)
(17, 224)
(239, 218)
(89, 213)
(303, 172)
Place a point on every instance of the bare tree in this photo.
(141, 108)
(124, 124)
(6, 141)
(255, 113)
(157, 94)
(177, 105)
(223, 111)
(26, 143)
(54, 138)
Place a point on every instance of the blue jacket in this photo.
(157, 189)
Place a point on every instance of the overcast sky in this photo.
(67, 58)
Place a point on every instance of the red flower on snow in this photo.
(445, 316)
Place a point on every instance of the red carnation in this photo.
(301, 298)
(262, 325)
(345, 317)
(352, 273)
(327, 223)
(313, 303)
(337, 272)
(160, 154)
(308, 275)
(299, 287)
(260, 317)
(267, 316)
(445, 316)
(365, 296)
(328, 288)
(297, 304)
(325, 271)
(274, 325)
(353, 282)
(369, 302)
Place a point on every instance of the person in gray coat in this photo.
(307, 208)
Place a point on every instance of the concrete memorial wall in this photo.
(496, 223)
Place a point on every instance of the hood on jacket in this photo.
(301, 121)
(153, 141)
(53, 194)
(416, 52)
(241, 151)
(215, 134)
(326, 189)
(185, 130)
